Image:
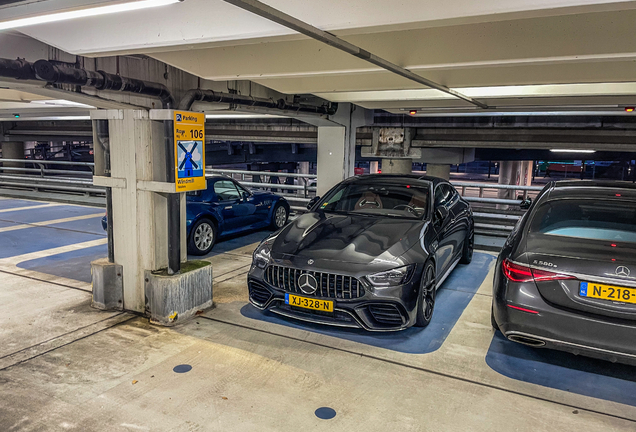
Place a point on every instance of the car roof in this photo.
(593, 184)
(405, 177)
(591, 189)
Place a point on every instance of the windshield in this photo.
(392, 200)
(609, 220)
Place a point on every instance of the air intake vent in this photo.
(386, 314)
(258, 293)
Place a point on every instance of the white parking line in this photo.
(49, 222)
(10, 264)
(29, 207)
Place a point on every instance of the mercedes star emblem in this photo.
(622, 271)
(307, 283)
(310, 262)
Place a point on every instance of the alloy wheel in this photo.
(203, 236)
(428, 294)
(280, 217)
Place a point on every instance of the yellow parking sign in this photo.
(189, 151)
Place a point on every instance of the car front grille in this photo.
(329, 285)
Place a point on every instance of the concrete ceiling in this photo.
(514, 53)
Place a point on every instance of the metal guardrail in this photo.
(52, 179)
(488, 221)
(305, 187)
(41, 163)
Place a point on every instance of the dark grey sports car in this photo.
(566, 277)
(369, 254)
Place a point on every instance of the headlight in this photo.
(262, 255)
(391, 278)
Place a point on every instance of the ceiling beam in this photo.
(272, 14)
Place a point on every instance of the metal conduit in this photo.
(192, 96)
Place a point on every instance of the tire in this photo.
(279, 217)
(469, 246)
(426, 299)
(202, 237)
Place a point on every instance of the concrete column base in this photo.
(108, 291)
(438, 170)
(180, 296)
(397, 166)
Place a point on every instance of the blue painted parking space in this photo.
(72, 265)
(4, 224)
(91, 225)
(452, 298)
(563, 371)
(29, 240)
(48, 213)
(17, 203)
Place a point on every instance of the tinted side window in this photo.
(439, 196)
(443, 194)
(225, 190)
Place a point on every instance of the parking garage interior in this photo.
(116, 318)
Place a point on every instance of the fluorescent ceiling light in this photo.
(60, 102)
(572, 151)
(45, 118)
(502, 92)
(81, 13)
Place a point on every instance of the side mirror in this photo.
(525, 204)
(441, 213)
(246, 195)
(313, 201)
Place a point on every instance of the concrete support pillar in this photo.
(514, 173)
(139, 280)
(373, 167)
(138, 216)
(303, 168)
(335, 156)
(337, 145)
(397, 166)
(12, 150)
(438, 170)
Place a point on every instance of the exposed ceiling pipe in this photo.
(44, 70)
(302, 27)
(216, 97)
(100, 80)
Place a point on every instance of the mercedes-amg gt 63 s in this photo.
(369, 254)
(566, 277)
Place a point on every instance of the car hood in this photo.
(348, 238)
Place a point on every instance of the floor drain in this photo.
(325, 413)
(183, 369)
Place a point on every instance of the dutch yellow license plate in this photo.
(309, 303)
(607, 292)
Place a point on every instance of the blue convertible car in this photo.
(226, 208)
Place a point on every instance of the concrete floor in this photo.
(64, 366)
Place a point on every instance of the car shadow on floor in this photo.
(233, 243)
(452, 298)
(563, 371)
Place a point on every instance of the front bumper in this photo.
(388, 309)
(559, 328)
